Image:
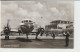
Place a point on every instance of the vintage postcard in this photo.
(37, 24)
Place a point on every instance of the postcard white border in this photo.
(76, 36)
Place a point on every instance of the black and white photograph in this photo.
(37, 24)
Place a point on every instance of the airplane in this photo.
(26, 26)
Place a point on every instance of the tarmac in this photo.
(33, 37)
(16, 41)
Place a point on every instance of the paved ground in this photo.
(43, 42)
(14, 36)
(33, 37)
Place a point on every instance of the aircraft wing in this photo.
(14, 30)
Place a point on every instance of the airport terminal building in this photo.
(59, 24)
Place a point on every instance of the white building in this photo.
(59, 24)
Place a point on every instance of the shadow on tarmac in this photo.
(23, 40)
(38, 39)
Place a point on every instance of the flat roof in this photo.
(60, 20)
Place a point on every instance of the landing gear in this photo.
(6, 37)
(27, 39)
(37, 36)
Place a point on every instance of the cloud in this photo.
(9, 7)
(60, 14)
(55, 10)
(56, 13)
(39, 5)
(34, 14)
(49, 11)
(21, 12)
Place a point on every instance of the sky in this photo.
(42, 13)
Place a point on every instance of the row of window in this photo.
(62, 22)
(26, 21)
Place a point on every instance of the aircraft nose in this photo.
(29, 25)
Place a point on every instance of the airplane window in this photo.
(30, 21)
(26, 20)
(22, 21)
(61, 21)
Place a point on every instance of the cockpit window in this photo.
(22, 22)
(26, 20)
(30, 21)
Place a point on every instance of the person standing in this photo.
(37, 33)
(19, 31)
(41, 31)
(53, 35)
(67, 38)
